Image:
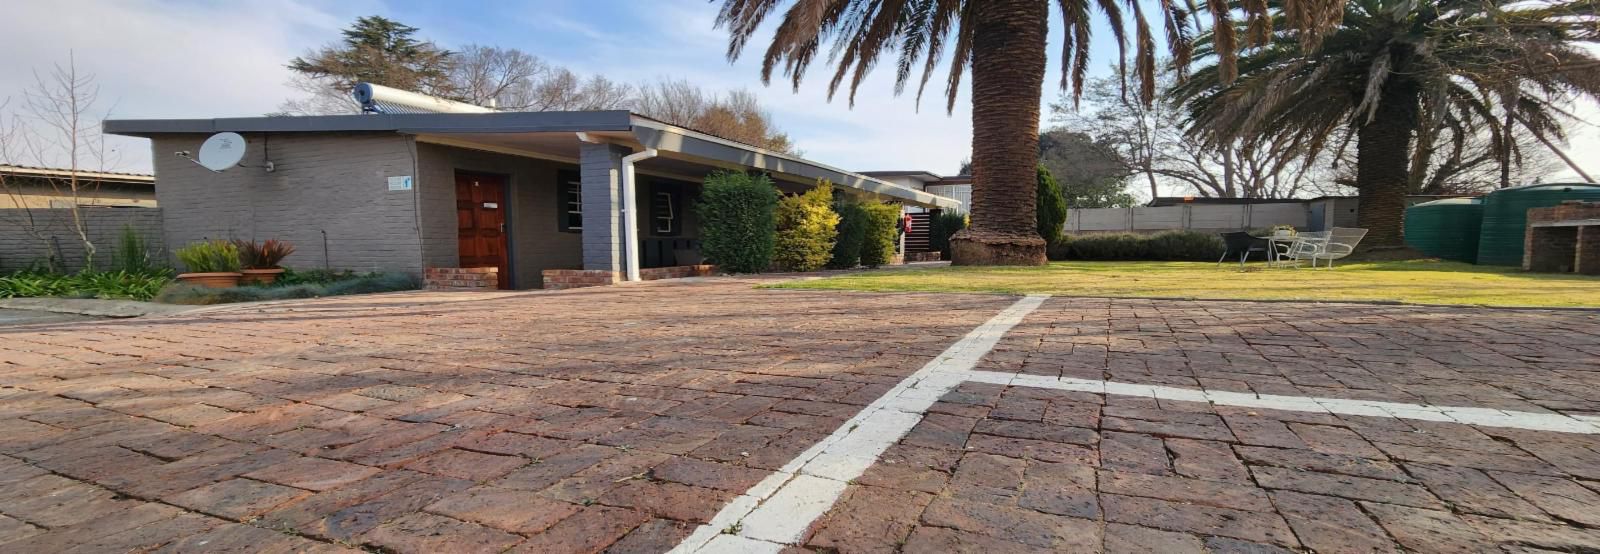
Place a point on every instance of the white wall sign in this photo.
(402, 182)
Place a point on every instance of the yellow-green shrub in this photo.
(878, 247)
(807, 228)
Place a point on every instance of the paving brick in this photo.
(590, 530)
(1429, 531)
(716, 475)
(870, 519)
(425, 533)
(1328, 524)
(1563, 498)
(1202, 520)
(1130, 539)
(510, 510)
(935, 539)
(236, 499)
(1187, 491)
(1013, 524)
(1209, 460)
(1060, 489)
(1472, 491)
(657, 535)
(315, 474)
(1134, 453)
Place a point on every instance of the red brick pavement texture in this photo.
(617, 419)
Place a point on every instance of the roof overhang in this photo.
(493, 131)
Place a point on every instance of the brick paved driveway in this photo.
(619, 419)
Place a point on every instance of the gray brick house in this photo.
(523, 192)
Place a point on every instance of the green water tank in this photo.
(1505, 217)
(1446, 228)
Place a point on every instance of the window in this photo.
(664, 206)
(569, 204)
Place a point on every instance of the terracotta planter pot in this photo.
(219, 280)
(260, 276)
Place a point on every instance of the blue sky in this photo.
(173, 58)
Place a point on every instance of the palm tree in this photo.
(1393, 70)
(1003, 41)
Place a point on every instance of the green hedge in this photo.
(852, 233)
(1170, 246)
(943, 226)
(737, 221)
(807, 228)
(877, 248)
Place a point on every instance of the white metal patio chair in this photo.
(1305, 249)
(1341, 242)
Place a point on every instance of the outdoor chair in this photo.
(1341, 242)
(1307, 247)
(1241, 243)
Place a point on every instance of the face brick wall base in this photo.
(1563, 239)
(556, 279)
(461, 278)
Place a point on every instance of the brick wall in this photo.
(332, 185)
(1556, 242)
(461, 278)
(20, 249)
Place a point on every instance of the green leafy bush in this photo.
(88, 284)
(1166, 246)
(852, 233)
(943, 226)
(212, 256)
(737, 222)
(133, 254)
(179, 293)
(1051, 210)
(877, 247)
(807, 229)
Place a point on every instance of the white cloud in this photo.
(153, 59)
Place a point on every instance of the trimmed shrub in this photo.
(179, 293)
(211, 256)
(1051, 210)
(852, 233)
(807, 229)
(737, 221)
(1186, 246)
(877, 247)
(1167, 247)
(943, 226)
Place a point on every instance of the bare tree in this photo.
(10, 125)
(59, 108)
(737, 115)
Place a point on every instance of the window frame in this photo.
(569, 192)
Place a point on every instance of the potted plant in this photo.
(213, 263)
(260, 260)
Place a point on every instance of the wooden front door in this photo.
(481, 211)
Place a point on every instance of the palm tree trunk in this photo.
(1008, 66)
(1383, 166)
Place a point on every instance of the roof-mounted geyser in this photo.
(385, 100)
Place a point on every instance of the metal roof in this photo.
(67, 173)
(644, 131)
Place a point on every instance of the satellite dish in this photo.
(221, 151)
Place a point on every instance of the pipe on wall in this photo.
(630, 212)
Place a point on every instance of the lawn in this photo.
(1413, 281)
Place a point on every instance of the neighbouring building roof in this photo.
(556, 132)
(61, 173)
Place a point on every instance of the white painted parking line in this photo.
(1486, 417)
(779, 510)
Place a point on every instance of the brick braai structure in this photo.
(1563, 239)
(461, 278)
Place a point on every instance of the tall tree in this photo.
(1004, 43)
(1388, 67)
(383, 51)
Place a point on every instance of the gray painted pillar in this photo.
(601, 174)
